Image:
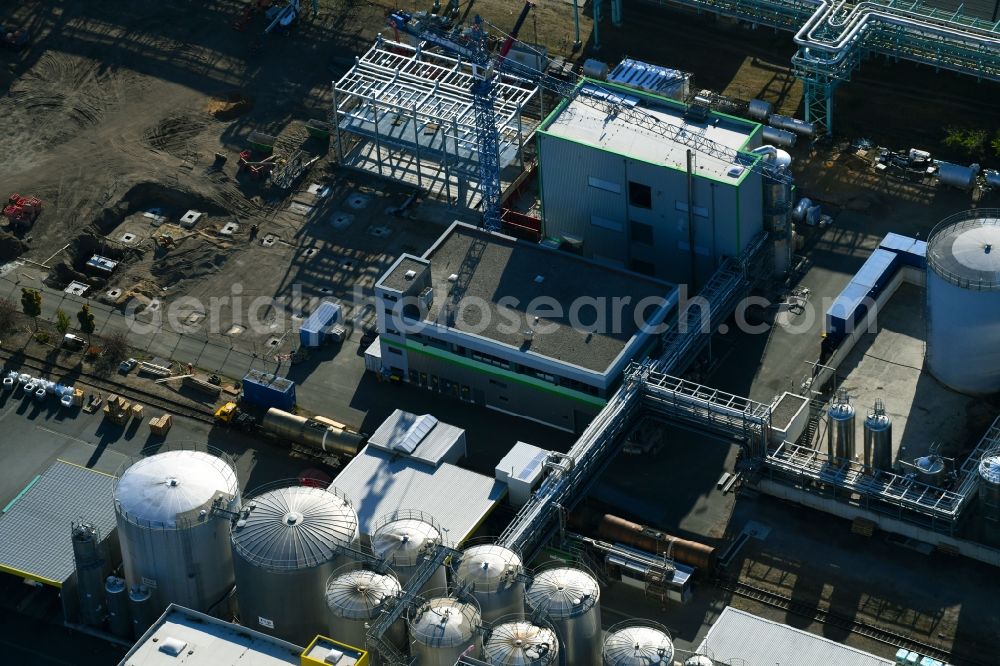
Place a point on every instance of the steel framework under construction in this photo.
(833, 37)
(408, 114)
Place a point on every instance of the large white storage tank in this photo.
(172, 540)
(638, 644)
(403, 539)
(495, 577)
(521, 643)
(963, 301)
(286, 544)
(568, 598)
(443, 629)
(354, 599)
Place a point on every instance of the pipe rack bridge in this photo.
(833, 37)
(649, 388)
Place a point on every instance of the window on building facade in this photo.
(639, 195)
(641, 233)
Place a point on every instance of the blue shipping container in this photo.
(912, 252)
(852, 304)
(268, 390)
(315, 329)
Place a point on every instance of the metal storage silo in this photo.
(119, 620)
(878, 438)
(840, 430)
(963, 301)
(88, 556)
(444, 629)
(569, 599)
(172, 538)
(402, 539)
(286, 544)
(140, 609)
(521, 643)
(495, 577)
(354, 599)
(989, 485)
(638, 644)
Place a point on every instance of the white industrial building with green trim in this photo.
(516, 326)
(622, 195)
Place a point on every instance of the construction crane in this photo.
(486, 70)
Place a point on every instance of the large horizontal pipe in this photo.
(312, 433)
(617, 529)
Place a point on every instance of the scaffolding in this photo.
(410, 115)
(834, 37)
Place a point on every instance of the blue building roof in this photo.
(324, 315)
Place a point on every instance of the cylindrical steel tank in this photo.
(443, 629)
(495, 577)
(645, 538)
(402, 539)
(311, 432)
(88, 556)
(634, 643)
(140, 609)
(778, 137)
(521, 643)
(992, 177)
(840, 430)
(355, 598)
(758, 109)
(931, 470)
(171, 539)
(989, 485)
(595, 69)
(878, 439)
(116, 595)
(569, 599)
(699, 660)
(963, 301)
(956, 175)
(792, 125)
(286, 544)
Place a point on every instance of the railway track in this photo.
(826, 617)
(27, 363)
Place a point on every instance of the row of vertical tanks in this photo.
(291, 553)
(841, 442)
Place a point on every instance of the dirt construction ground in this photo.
(117, 108)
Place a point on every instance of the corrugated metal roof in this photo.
(326, 313)
(746, 639)
(378, 483)
(642, 75)
(211, 642)
(421, 437)
(35, 530)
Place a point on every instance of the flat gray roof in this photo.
(35, 539)
(507, 275)
(747, 639)
(396, 278)
(586, 124)
(379, 483)
(207, 641)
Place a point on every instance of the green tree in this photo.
(86, 319)
(62, 322)
(31, 303)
